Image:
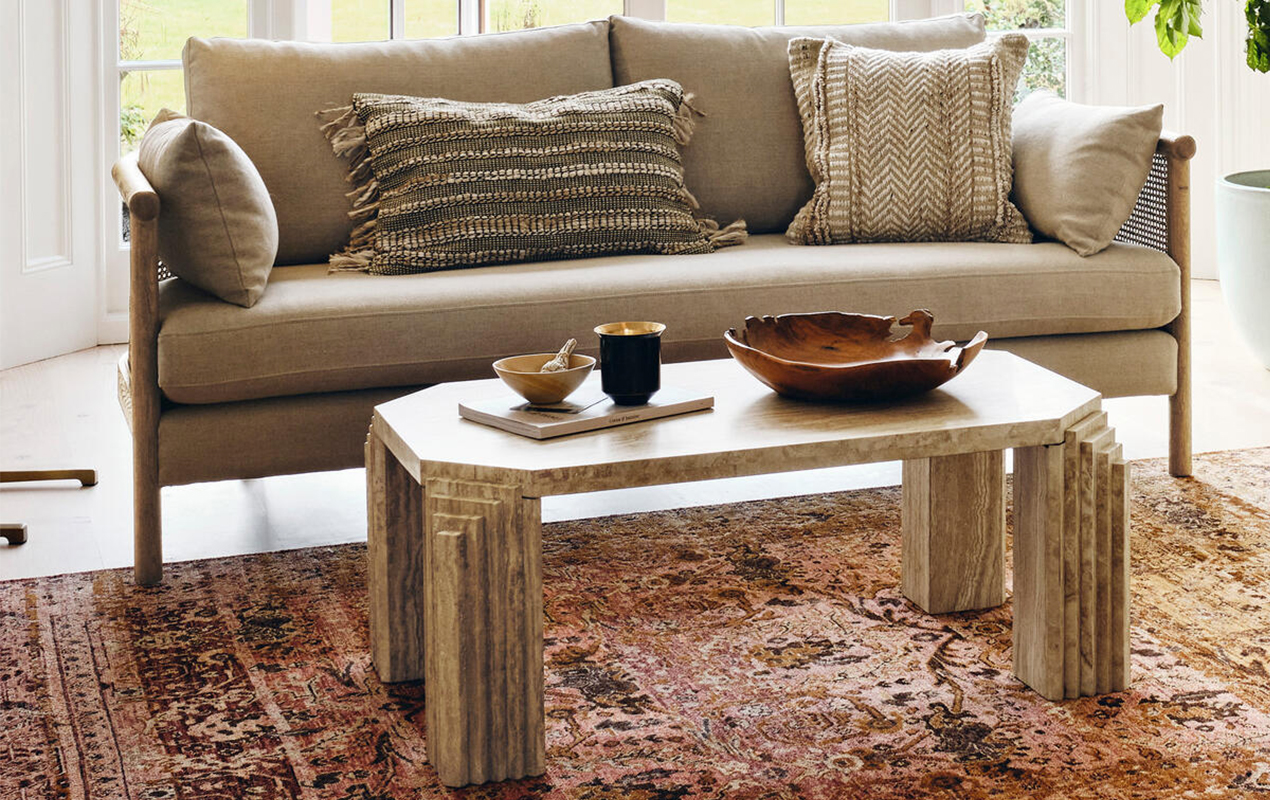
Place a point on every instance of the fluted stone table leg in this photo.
(1071, 563)
(484, 651)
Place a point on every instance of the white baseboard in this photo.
(113, 328)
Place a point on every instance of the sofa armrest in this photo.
(141, 402)
(1161, 219)
(136, 191)
(143, 283)
(1176, 145)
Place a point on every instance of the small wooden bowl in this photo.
(543, 388)
(832, 355)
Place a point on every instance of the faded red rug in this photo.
(742, 651)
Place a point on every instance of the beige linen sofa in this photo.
(215, 391)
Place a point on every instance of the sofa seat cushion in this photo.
(318, 332)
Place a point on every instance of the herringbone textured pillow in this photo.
(443, 184)
(907, 147)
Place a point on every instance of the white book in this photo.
(588, 410)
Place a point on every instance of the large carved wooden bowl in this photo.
(832, 355)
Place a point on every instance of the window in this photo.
(151, 35)
(737, 12)
(778, 12)
(148, 62)
(369, 20)
(834, 12)
(1045, 23)
(426, 19)
(350, 21)
(510, 15)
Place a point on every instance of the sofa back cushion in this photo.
(264, 96)
(747, 158)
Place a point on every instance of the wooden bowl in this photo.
(832, 355)
(543, 388)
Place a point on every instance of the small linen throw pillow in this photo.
(218, 230)
(1078, 169)
(442, 184)
(907, 147)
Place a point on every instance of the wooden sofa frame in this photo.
(1160, 220)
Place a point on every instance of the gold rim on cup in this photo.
(630, 329)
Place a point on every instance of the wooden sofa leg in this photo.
(1180, 431)
(147, 514)
(1180, 401)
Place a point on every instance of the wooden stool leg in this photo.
(954, 532)
(15, 533)
(86, 477)
(395, 576)
(484, 654)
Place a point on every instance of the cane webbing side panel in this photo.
(1148, 224)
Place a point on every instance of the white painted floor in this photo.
(62, 413)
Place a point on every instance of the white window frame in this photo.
(1073, 38)
(472, 15)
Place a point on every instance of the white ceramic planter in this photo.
(1243, 255)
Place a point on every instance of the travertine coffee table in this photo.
(455, 528)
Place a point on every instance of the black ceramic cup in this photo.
(630, 361)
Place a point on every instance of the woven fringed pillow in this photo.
(440, 184)
(907, 147)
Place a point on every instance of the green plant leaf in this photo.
(1257, 13)
(1167, 34)
(1193, 27)
(1136, 10)
(1194, 9)
(1175, 22)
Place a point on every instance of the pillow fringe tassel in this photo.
(344, 129)
(684, 120)
(733, 233)
(685, 124)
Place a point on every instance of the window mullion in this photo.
(470, 16)
(134, 66)
(646, 9)
(396, 19)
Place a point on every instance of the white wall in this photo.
(1208, 91)
(50, 173)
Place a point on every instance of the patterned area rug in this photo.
(742, 651)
